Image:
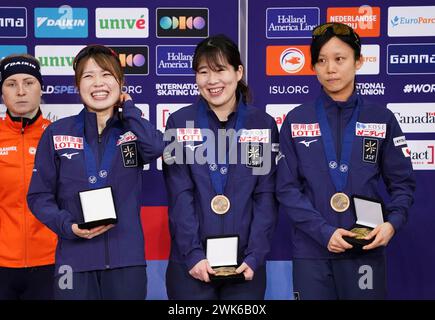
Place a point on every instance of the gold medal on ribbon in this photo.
(340, 202)
(220, 204)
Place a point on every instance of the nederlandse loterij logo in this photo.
(62, 22)
(121, 23)
(13, 22)
(365, 20)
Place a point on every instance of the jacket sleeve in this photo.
(183, 221)
(290, 193)
(265, 209)
(150, 140)
(41, 197)
(398, 175)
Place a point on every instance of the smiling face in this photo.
(336, 68)
(99, 89)
(21, 93)
(218, 84)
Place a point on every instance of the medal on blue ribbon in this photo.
(338, 170)
(97, 176)
(220, 204)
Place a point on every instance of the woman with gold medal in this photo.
(336, 147)
(220, 197)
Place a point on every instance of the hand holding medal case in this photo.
(369, 214)
(221, 253)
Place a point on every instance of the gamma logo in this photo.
(182, 22)
(13, 22)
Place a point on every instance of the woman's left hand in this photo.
(247, 271)
(382, 233)
(124, 97)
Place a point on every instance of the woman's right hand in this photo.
(201, 270)
(90, 233)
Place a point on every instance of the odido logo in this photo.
(287, 61)
(134, 59)
(182, 22)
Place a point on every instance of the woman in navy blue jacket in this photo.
(97, 148)
(217, 197)
(334, 148)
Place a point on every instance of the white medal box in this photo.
(98, 208)
(221, 253)
(369, 214)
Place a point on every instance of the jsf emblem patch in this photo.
(254, 156)
(370, 150)
(129, 154)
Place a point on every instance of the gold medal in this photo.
(220, 204)
(361, 232)
(340, 202)
(225, 271)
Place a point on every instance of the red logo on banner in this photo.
(288, 61)
(365, 20)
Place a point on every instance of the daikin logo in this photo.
(62, 22)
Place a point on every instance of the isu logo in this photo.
(292, 60)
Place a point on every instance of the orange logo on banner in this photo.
(288, 61)
(365, 20)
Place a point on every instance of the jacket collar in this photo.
(20, 124)
(91, 126)
(328, 101)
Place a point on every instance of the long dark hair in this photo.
(215, 48)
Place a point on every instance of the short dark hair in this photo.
(104, 56)
(324, 32)
(215, 48)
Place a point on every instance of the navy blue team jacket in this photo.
(60, 173)
(253, 210)
(304, 187)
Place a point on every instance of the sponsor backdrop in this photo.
(155, 41)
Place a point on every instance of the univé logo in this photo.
(182, 22)
(287, 61)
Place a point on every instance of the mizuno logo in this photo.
(307, 143)
(68, 155)
(192, 147)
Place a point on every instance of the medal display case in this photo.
(221, 253)
(369, 214)
(98, 208)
